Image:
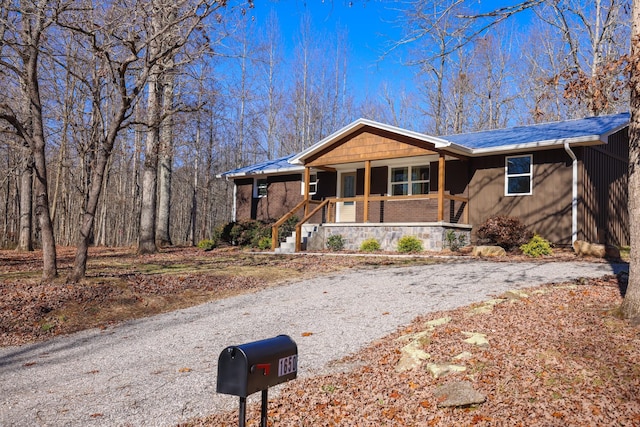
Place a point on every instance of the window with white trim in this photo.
(409, 180)
(518, 175)
(260, 187)
(313, 184)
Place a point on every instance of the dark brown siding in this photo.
(283, 193)
(603, 214)
(244, 199)
(326, 185)
(547, 211)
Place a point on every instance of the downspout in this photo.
(235, 196)
(574, 194)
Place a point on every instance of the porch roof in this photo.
(438, 143)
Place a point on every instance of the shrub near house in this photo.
(506, 232)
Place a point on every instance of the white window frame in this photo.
(508, 175)
(409, 181)
(256, 188)
(313, 184)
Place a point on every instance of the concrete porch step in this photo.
(289, 245)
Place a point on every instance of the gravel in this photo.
(162, 370)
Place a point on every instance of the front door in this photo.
(347, 210)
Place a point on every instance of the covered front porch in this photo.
(367, 178)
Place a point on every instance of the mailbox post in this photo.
(256, 366)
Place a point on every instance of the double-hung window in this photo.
(409, 180)
(313, 184)
(260, 187)
(518, 175)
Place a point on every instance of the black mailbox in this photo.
(256, 366)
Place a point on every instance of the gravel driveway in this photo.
(162, 370)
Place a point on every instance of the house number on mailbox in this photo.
(287, 365)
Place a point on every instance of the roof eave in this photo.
(274, 171)
(539, 145)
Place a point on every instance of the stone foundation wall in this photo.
(432, 235)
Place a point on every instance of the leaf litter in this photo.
(121, 285)
(557, 357)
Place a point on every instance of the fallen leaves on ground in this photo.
(121, 285)
(559, 357)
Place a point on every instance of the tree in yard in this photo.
(122, 46)
(631, 304)
(26, 205)
(24, 30)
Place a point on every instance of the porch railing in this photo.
(330, 214)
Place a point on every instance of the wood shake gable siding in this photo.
(369, 144)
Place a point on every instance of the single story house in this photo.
(565, 180)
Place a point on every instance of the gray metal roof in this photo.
(280, 165)
(565, 130)
(590, 129)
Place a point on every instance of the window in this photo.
(518, 175)
(313, 184)
(409, 180)
(260, 187)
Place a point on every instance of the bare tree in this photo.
(26, 204)
(124, 45)
(631, 304)
(165, 160)
(594, 38)
(25, 25)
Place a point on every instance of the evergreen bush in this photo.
(335, 242)
(536, 247)
(370, 245)
(264, 243)
(408, 244)
(207, 244)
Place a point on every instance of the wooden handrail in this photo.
(278, 223)
(373, 198)
(305, 219)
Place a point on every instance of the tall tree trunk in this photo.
(165, 164)
(147, 243)
(194, 194)
(49, 257)
(98, 172)
(26, 205)
(631, 304)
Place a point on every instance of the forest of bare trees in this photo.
(116, 116)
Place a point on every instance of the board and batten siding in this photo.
(603, 208)
(547, 211)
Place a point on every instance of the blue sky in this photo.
(371, 27)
